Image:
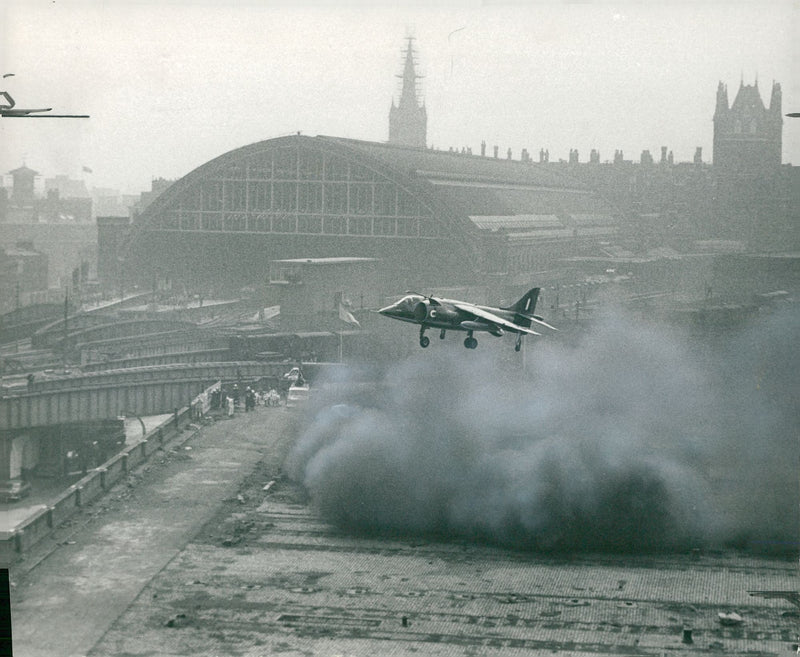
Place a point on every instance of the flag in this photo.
(87, 170)
(346, 316)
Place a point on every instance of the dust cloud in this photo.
(637, 437)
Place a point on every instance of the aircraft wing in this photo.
(539, 322)
(492, 318)
(7, 111)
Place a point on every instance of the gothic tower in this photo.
(747, 165)
(408, 120)
(747, 136)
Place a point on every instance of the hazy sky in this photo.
(170, 85)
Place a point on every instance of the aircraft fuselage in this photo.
(453, 315)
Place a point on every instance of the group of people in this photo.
(229, 400)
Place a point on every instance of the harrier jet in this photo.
(452, 315)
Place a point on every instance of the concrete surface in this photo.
(213, 552)
(68, 591)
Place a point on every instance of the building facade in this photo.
(429, 216)
(23, 271)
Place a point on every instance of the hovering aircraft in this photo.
(9, 109)
(451, 315)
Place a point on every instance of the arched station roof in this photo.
(296, 159)
(302, 196)
(452, 186)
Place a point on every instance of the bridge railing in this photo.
(103, 395)
(225, 370)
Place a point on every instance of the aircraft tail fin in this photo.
(525, 307)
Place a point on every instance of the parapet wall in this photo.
(95, 484)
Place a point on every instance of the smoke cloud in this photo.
(636, 437)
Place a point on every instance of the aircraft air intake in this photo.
(425, 311)
(421, 311)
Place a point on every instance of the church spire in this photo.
(409, 92)
(408, 119)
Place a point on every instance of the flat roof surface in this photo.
(271, 576)
(209, 550)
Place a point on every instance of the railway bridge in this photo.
(34, 421)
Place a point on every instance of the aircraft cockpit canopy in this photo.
(404, 307)
(409, 302)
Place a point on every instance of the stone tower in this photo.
(408, 120)
(747, 136)
(22, 193)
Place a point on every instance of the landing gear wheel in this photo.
(518, 344)
(441, 334)
(424, 340)
(470, 343)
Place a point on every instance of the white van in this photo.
(297, 395)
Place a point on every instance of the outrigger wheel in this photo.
(470, 342)
(518, 344)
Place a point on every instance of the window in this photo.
(335, 168)
(260, 168)
(384, 226)
(358, 172)
(309, 224)
(385, 200)
(334, 225)
(235, 195)
(335, 198)
(236, 222)
(406, 204)
(359, 226)
(309, 197)
(212, 195)
(285, 164)
(310, 165)
(260, 195)
(260, 223)
(407, 227)
(284, 196)
(212, 221)
(285, 223)
(360, 198)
